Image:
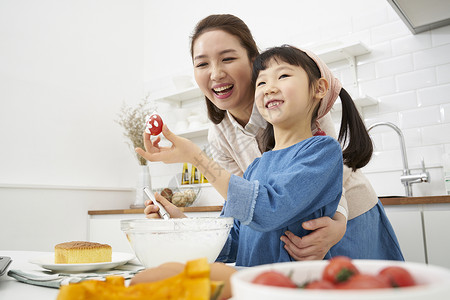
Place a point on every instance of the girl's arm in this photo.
(298, 188)
(183, 150)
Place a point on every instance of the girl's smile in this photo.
(274, 103)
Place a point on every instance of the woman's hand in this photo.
(182, 150)
(326, 233)
(151, 210)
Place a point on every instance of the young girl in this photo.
(299, 179)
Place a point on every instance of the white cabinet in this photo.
(408, 228)
(422, 232)
(437, 224)
(106, 229)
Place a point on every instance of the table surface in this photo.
(15, 290)
(12, 289)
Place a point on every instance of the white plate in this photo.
(48, 262)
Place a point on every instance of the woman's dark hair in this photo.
(352, 134)
(234, 26)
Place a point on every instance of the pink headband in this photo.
(332, 94)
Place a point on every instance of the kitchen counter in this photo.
(12, 289)
(394, 200)
(141, 210)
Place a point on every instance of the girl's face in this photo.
(283, 95)
(222, 70)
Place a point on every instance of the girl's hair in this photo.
(352, 134)
(234, 26)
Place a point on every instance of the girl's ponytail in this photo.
(353, 135)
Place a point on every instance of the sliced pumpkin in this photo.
(193, 283)
(216, 289)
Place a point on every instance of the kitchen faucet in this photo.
(407, 179)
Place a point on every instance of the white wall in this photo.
(65, 69)
(67, 66)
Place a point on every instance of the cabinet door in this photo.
(408, 228)
(437, 237)
(107, 231)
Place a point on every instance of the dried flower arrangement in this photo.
(132, 119)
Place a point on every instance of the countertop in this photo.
(394, 200)
(141, 210)
(13, 289)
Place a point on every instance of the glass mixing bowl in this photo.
(156, 241)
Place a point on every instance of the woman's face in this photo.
(223, 70)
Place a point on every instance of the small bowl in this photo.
(433, 282)
(186, 196)
(156, 241)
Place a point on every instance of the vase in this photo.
(143, 180)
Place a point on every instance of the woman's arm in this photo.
(183, 150)
(220, 152)
(151, 210)
(326, 233)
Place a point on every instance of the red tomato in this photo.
(154, 124)
(320, 285)
(398, 276)
(274, 278)
(339, 269)
(364, 281)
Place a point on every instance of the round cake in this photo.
(82, 253)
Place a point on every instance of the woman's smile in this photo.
(223, 91)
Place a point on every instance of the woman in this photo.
(223, 51)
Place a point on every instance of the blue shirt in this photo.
(280, 190)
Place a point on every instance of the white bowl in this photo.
(156, 241)
(432, 281)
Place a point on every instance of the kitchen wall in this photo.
(409, 75)
(67, 67)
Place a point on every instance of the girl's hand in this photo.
(151, 210)
(326, 233)
(182, 150)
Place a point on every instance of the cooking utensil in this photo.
(162, 212)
